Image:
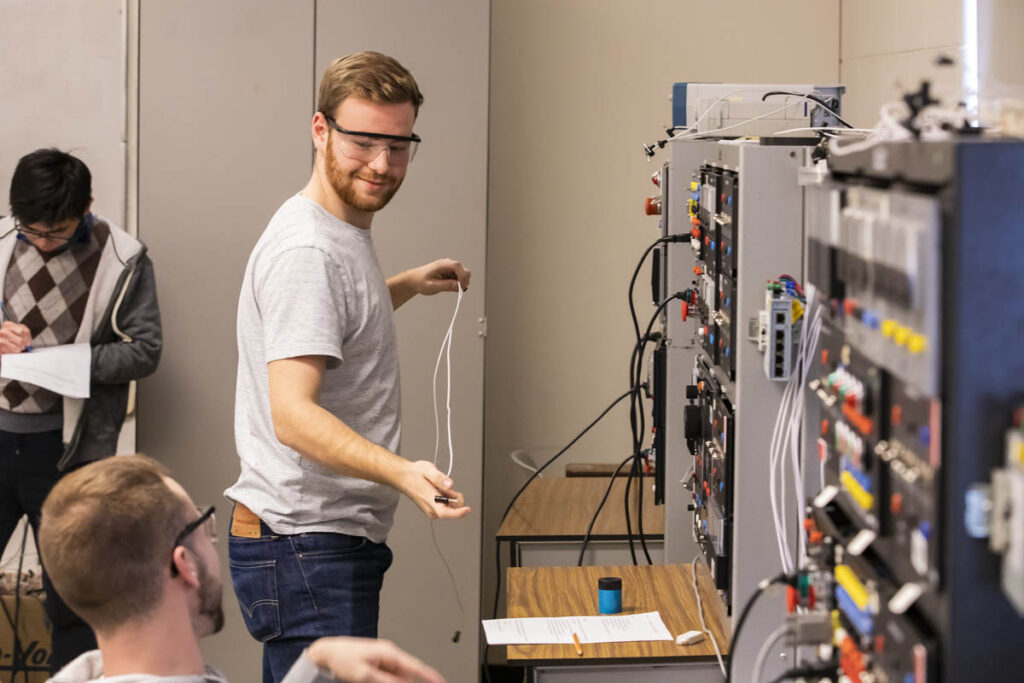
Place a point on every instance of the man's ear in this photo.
(185, 563)
(319, 130)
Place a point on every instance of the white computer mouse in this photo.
(690, 638)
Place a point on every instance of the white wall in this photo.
(889, 46)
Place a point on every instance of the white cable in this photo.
(446, 350)
(783, 108)
(446, 346)
(711, 108)
(516, 456)
(784, 448)
(762, 654)
(839, 129)
(700, 611)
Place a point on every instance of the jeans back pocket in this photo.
(256, 589)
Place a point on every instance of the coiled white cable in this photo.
(446, 351)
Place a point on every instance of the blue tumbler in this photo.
(609, 595)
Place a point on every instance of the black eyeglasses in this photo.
(47, 234)
(366, 147)
(206, 519)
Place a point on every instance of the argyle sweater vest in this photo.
(47, 292)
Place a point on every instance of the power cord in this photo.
(604, 499)
(637, 423)
(636, 416)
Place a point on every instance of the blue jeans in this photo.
(295, 589)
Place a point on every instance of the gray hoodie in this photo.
(89, 667)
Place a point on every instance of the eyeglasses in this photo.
(209, 524)
(366, 147)
(46, 234)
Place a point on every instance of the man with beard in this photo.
(317, 423)
(129, 551)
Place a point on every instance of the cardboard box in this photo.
(34, 639)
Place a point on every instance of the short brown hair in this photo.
(369, 76)
(106, 536)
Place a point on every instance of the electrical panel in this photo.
(742, 210)
(913, 422)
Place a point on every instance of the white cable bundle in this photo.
(446, 346)
(786, 437)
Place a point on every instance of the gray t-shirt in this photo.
(314, 287)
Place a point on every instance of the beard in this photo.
(211, 590)
(344, 184)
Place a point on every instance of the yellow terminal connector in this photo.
(889, 328)
(917, 343)
(846, 578)
(853, 487)
(902, 335)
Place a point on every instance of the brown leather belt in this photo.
(244, 522)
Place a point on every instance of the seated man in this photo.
(128, 551)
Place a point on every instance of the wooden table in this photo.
(558, 510)
(572, 591)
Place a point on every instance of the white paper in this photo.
(558, 630)
(61, 369)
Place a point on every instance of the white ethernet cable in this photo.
(446, 350)
(785, 443)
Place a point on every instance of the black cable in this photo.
(593, 520)
(18, 654)
(814, 98)
(761, 588)
(636, 272)
(497, 545)
(637, 423)
(636, 404)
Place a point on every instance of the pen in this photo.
(579, 648)
(5, 316)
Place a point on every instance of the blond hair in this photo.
(369, 76)
(106, 535)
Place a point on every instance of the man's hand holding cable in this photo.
(421, 481)
(443, 275)
(14, 337)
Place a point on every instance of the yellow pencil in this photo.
(579, 648)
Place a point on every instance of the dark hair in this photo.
(50, 186)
